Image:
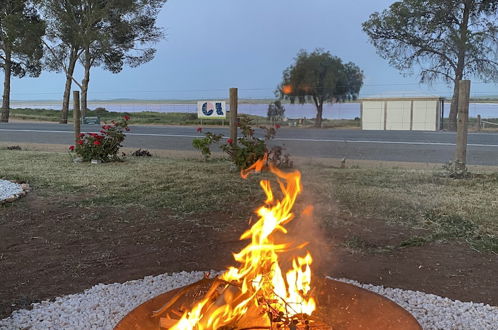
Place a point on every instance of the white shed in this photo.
(409, 114)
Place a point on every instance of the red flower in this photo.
(80, 142)
(126, 117)
(199, 129)
(71, 148)
(277, 126)
(106, 126)
(81, 135)
(102, 131)
(229, 141)
(100, 137)
(97, 143)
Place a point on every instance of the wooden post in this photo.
(76, 115)
(233, 114)
(478, 123)
(462, 123)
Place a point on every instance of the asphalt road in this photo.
(405, 146)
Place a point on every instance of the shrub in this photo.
(248, 148)
(141, 153)
(104, 145)
(276, 111)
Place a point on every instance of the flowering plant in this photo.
(248, 148)
(104, 145)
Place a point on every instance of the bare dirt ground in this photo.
(48, 249)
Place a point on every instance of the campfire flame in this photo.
(257, 293)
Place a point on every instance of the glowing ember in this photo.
(257, 294)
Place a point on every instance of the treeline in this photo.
(58, 35)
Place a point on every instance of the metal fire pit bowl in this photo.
(340, 305)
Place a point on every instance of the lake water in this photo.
(293, 111)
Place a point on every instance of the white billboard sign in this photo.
(211, 109)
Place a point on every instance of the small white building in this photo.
(402, 113)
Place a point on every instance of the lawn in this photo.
(87, 224)
(448, 209)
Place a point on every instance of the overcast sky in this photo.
(217, 44)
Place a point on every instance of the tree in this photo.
(320, 77)
(64, 19)
(110, 33)
(21, 49)
(444, 39)
(276, 111)
(120, 33)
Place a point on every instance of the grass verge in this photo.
(170, 118)
(443, 208)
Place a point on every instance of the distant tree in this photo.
(111, 33)
(444, 39)
(21, 48)
(319, 77)
(276, 111)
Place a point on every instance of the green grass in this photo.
(184, 186)
(449, 209)
(162, 118)
(444, 209)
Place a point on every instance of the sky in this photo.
(213, 45)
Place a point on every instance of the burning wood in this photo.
(256, 294)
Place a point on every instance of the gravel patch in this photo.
(9, 189)
(102, 306)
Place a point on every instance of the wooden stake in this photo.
(462, 123)
(233, 114)
(76, 115)
(478, 123)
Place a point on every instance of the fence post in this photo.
(76, 115)
(478, 123)
(233, 114)
(462, 124)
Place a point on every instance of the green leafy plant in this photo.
(276, 111)
(204, 144)
(248, 148)
(103, 146)
(455, 170)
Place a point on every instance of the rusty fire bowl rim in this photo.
(350, 307)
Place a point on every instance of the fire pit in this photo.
(341, 306)
(272, 287)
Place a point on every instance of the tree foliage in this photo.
(111, 34)
(319, 77)
(21, 49)
(442, 39)
(276, 111)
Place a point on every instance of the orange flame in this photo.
(258, 285)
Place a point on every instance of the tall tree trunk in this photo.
(319, 110)
(459, 71)
(7, 68)
(452, 117)
(319, 114)
(84, 83)
(67, 88)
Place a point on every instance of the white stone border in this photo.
(103, 306)
(12, 198)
